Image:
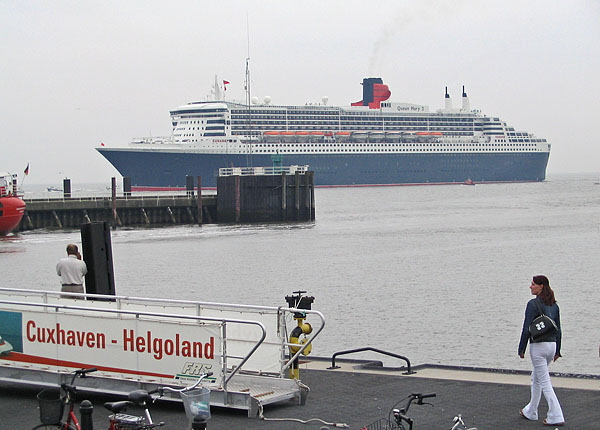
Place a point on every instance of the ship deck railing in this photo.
(269, 170)
(138, 197)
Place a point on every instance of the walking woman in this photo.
(542, 352)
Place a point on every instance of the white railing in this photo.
(269, 170)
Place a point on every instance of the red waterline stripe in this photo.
(26, 358)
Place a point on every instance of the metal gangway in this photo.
(142, 343)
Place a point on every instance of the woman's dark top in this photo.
(532, 312)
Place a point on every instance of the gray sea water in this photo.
(439, 274)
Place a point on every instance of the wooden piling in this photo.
(113, 187)
(307, 195)
(145, 216)
(237, 198)
(199, 201)
(297, 196)
(57, 219)
(312, 194)
(171, 216)
(67, 188)
(283, 197)
(126, 186)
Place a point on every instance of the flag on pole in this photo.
(26, 171)
(225, 83)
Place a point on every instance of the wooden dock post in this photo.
(283, 197)
(127, 186)
(189, 186)
(297, 195)
(312, 194)
(113, 187)
(199, 200)
(57, 219)
(237, 198)
(67, 188)
(308, 196)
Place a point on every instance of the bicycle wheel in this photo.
(53, 427)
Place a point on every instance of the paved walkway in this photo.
(486, 400)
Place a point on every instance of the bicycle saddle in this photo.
(140, 397)
(116, 407)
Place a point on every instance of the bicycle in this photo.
(196, 402)
(459, 424)
(397, 417)
(52, 404)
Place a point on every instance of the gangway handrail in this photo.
(369, 348)
(309, 341)
(83, 296)
(157, 314)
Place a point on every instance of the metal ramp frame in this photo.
(253, 372)
(248, 391)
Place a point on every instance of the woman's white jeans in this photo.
(542, 354)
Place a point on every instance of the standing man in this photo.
(71, 270)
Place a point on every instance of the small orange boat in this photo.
(12, 207)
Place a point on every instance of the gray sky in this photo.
(77, 73)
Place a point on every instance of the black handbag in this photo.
(542, 326)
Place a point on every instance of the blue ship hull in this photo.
(158, 169)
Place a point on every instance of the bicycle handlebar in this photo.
(143, 397)
(70, 388)
(419, 397)
(191, 387)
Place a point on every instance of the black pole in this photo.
(67, 188)
(86, 409)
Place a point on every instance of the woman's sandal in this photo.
(546, 423)
(522, 414)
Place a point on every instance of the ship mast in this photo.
(216, 90)
(248, 100)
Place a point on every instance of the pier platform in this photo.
(250, 194)
(358, 397)
(140, 210)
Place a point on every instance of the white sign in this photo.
(139, 347)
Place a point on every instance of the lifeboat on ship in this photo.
(12, 207)
(376, 135)
(359, 135)
(301, 136)
(271, 136)
(316, 136)
(342, 136)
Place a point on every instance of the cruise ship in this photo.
(371, 142)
